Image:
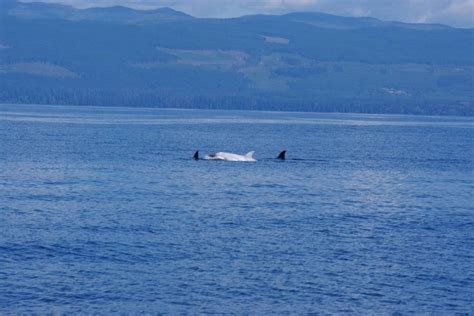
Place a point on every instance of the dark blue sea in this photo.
(102, 210)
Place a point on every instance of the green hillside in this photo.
(117, 56)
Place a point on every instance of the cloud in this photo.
(457, 13)
(453, 12)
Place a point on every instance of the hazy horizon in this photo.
(456, 13)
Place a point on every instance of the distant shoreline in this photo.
(131, 108)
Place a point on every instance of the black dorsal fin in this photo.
(282, 155)
(196, 155)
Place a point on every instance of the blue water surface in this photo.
(103, 210)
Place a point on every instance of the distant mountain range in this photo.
(117, 56)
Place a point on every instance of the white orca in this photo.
(234, 157)
(230, 157)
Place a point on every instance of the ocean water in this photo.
(103, 210)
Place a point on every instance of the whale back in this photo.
(196, 155)
(250, 154)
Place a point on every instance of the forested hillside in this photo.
(54, 54)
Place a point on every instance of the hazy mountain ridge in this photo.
(340, 22)
(118, 14)
(297, 61)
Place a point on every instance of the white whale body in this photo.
(223, 156)
(230, 157)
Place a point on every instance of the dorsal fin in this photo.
(196, 155)
(282, 155)
(250, 154)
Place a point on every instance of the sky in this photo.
(458, 13)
